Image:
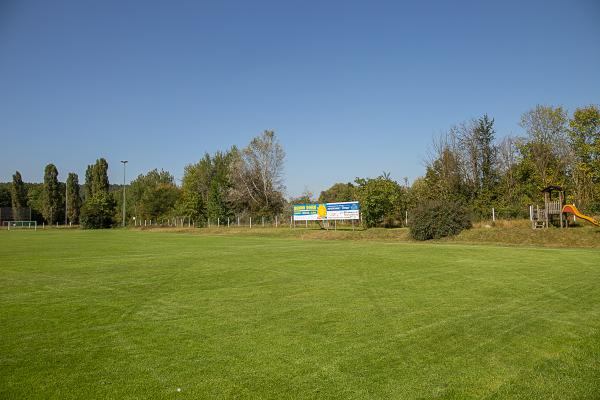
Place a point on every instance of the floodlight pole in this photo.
(124, 164)
(66, 199)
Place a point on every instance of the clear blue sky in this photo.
(351, 88)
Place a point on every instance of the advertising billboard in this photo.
(309, 212)
(327, 211)
(346, 210)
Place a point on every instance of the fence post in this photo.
(238, 221)
(493, 214)
(276, 221)
(218, 222)
(250, 222)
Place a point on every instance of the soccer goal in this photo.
(21, 225)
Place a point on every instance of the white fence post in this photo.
(531, 212)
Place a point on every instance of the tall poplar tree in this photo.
(100, 176)
(89, 177)
(73, 198)
(52, 205)
(18, 195)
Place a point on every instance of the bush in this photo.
(98, 211)
(435, 219)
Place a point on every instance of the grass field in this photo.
(130, 314)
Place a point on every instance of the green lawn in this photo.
(129, 314)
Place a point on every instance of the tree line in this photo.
(468, 165)
(247, 181)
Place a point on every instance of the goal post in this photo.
(11, 225)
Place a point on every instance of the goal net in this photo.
(21, 225)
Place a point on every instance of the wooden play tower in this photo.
(551, 213)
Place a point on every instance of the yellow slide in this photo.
(573, 210)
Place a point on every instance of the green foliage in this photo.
(217, 202)
(99, 208)
(100, 176)
(206, 186)
(584, 134)
(96, 178)
(217, 206)
(444, 179)
(18, 192)
(158, 201)
(52, 196)
(5, 197)
(546, 142)
(304, 198)
(338, 192)
(89, 178)
(153, 195)
(195, 187)
(437, 219)
(484, 135)
(98, 211)
(73, 198)
(382, 201)
(35, 200)
(465, 166)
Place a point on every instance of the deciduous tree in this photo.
(257, 176)
(382, 201)
(546, 145)
(584, 134)
(154, 194)
(338, 192)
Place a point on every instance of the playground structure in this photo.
(555, 211)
